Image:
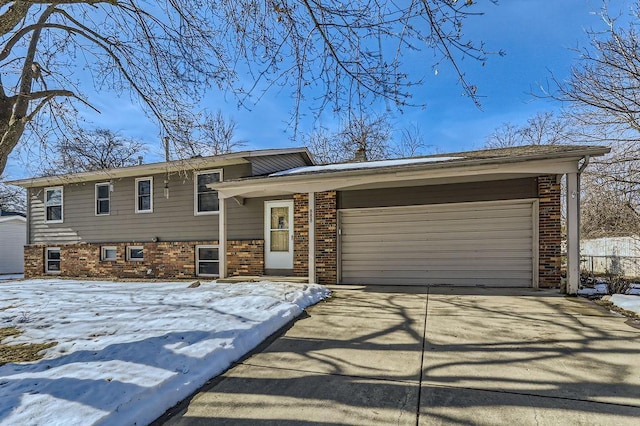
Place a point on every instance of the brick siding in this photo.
(245, 257)
(161, 260)
(549, 230)
(301, 235)
(326, 221)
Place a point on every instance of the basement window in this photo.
(135, 253)
(207, 261)
(108, 253)
(52, 263)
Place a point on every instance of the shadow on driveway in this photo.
(438, 355)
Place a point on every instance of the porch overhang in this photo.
(372, 178)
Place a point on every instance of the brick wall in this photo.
(326, 221)
(245, 257)
(301, 235)
(550, 236)
(33, 261)
(161, 260)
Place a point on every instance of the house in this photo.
(488, 218)
(13, 237)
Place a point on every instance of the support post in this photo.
(573, 233)
(312, 237)
(222, 237)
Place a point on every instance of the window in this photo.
(52, 265)
(206, 199)
(135, 253)
(103, 195)
(108, 253)
(53, 204)
(144, 195)
(207, 263)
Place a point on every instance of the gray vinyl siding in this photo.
(246, 222)
(440, 194)
(172, 219)
(268, 164)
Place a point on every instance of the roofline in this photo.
(193, 163)
(9, 218)
(577, 155)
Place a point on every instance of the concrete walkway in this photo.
(377, 355)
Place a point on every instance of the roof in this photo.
(487, 164)
(14, 218)
(194, 163)
(496, 155)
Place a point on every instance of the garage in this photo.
(457, 244)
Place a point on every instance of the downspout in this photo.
(584, 164)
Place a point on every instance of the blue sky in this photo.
(537, 36)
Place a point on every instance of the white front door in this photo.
(278, 234)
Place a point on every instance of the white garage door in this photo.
(466, 244)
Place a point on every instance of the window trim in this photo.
(198, 247)
(108, 185)
(195, 191)
(104, 258)
(53, 188)
(46, 260)
(134, 259)
(150, 179)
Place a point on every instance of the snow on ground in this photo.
(127, 352)
(625, 301)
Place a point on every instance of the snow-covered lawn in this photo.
(127, 352)
(627, 302)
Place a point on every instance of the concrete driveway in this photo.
(383, 355)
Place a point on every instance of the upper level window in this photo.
(144, 195)
(206, 199)
(103, 195)
(53, 204)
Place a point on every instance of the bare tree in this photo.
(364, 139)
(544, 128)
(167, 54)
(94, 150)
(12, 199)
(411, 143)
(603, 101)
(602, 90)
(213, 134)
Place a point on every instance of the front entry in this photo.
(278, 236)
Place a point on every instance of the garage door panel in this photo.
(488, 225)
(468, 244)
(416, 237)
(403, 246)
(456, 217)
(436, 264)
(440, 255)
(451, 281)
(443, 276)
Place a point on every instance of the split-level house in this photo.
(479, 218)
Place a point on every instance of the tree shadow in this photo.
(485, 351)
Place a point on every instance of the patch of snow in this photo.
(625, 301)
(634, 289)
(127, 352)
(363, 165)
(598, 289)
